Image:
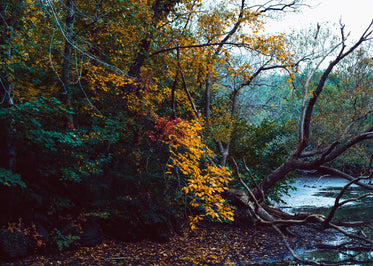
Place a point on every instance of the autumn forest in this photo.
(146, 118)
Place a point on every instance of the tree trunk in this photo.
(11, 130)
(370, 164)
(275, 176)
(7, 26)
(207, 98)
(6, 93)
(223, 153)
(136, 65)
(65, 77)
(160, 9)
(224, 149)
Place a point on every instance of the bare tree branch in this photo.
(267, 7)
(252, 178)
(336, 172)
(337, 204)
(190, 99)
(316, 93)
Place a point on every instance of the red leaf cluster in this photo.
(164, 130)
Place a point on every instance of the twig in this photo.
(252, 179)
(292, 251)
(127, 258)
(121, 258)
(337, 203)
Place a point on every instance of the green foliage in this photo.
(65, 241)
(264, 146)
(58, 163)
(60, 204)
(8, 179)
(283, 187)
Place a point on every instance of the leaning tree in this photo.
(308, 156)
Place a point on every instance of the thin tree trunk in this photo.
(11, 130)
(11, 148)
(7, 26)
(307, 83)
(370, 163)
(173, 92)
(11, 142)
(65, 77)
(207, 98)
(190, 99)
(224, 155)
(160, 10)
(6, 85)
(217, 52)
(224, 151)
(369, 169)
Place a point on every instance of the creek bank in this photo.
(210, 244)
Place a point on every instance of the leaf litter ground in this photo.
(210, 244)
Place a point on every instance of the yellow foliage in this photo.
(205, 180)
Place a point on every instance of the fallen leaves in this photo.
(210, 244)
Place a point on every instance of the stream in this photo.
(317, 194)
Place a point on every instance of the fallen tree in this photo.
(306, 158)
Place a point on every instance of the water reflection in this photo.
(350, 257)
(317, 194)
